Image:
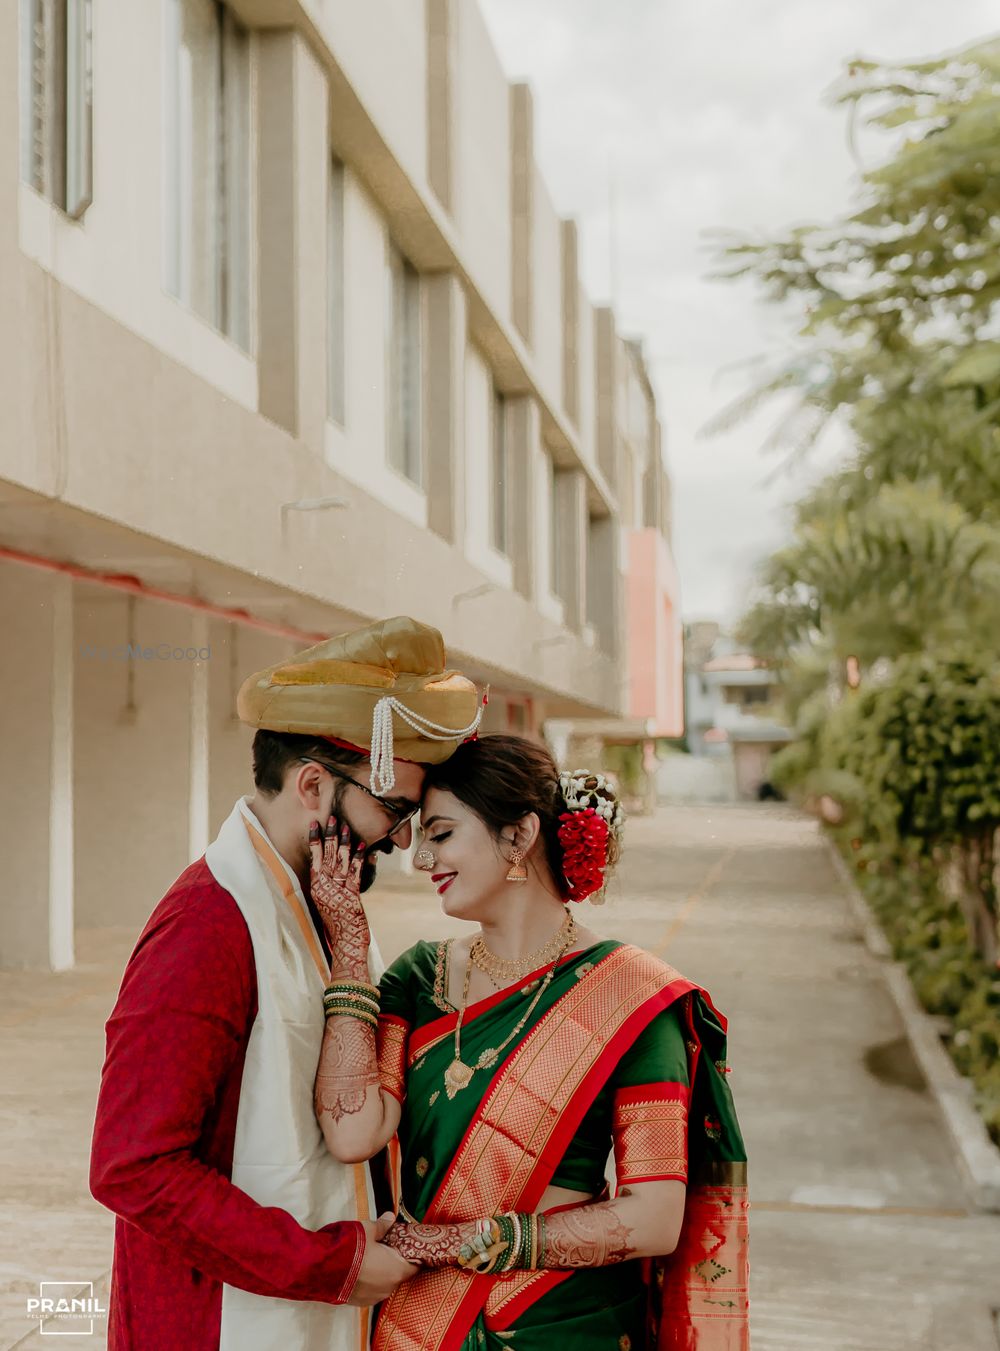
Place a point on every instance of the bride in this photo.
(511, 1063)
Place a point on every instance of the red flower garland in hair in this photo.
(584, 839)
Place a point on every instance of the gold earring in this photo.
(518, 872)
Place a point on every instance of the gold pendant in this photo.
(456, 1077)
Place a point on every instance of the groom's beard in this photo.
(369, 868)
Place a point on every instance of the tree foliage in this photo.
(891, 577)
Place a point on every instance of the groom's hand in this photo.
(382, 1270)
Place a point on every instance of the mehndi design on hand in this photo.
(335, 885)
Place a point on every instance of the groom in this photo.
(236, 1230)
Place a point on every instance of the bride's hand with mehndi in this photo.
(430, 1245)
(335, 884)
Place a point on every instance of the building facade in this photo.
(292, 337)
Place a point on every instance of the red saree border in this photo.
(434, 1311)
(391, 1037)
(640, 1093)
(649, 1128)
(509, 1299)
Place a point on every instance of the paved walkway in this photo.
(862, 1239)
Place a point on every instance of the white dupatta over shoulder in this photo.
(280, 1157)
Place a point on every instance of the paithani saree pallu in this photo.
(621, 1050)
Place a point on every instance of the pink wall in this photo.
(654, 637)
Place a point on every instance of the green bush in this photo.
(929, 934)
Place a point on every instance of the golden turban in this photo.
(383, 687)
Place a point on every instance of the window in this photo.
(756, 694)
(335, 295)
(517, 717)
(57, 101)
(404, 366)
(208, 188)
(500, 474)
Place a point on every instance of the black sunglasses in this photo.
(402, 816)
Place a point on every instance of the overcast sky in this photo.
(713, 115)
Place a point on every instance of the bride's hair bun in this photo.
(591, 825)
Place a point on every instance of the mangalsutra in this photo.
(458, 1075)
(503, 971)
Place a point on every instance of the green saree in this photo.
(612, 1057)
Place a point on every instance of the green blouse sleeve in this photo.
(657, 1056)
(397, 987)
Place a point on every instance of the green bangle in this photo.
(352, 988)
(524, 1256)
(505, 1233)
(362, 1000)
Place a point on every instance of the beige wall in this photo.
(587, 421)
(381, 48)
(236, 651)
(546, 328)
(132, 757)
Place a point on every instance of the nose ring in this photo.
(424, 858)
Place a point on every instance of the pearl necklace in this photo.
(458, 1075)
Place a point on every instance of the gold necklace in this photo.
(503, 971)
(458, 1075)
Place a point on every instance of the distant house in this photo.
(730, 708)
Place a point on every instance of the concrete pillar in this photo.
(36, 792)
(571, 320)
(293, 174)
(523, 430)
(606, 384)
(441, 17)
(61, 834)
(445, 404)
(522, 229)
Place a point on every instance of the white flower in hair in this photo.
(581, 789)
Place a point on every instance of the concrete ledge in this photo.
(979, 1156)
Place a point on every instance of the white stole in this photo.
(280, 1157)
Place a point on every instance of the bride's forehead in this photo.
(437, 802)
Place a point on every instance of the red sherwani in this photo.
(163, 1138)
